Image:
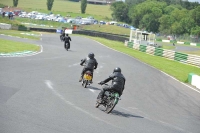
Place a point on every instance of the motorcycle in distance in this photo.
(87, 78)
(67, 46)
(62, 38)
(109, 100)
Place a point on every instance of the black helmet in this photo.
(66, 34)
(91, 55)
(117, 69)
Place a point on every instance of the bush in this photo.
(2, 6)
(22, 28)
(159, 39)
(187, 43)
(173, 41)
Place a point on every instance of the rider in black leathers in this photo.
(90, 64)
(62, 35)
(118, 83)
(67, 39)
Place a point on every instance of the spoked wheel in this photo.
(82, 83)
(85, 84)
(110, 106)
(97, 105)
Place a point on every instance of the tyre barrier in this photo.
(169, 54)
(194, 80)
(178, 42)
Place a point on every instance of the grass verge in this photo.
(63, 7)
(176, 69)
(7, 46)
(22, 34)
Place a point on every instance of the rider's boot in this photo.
(99, 100)
(81, 78)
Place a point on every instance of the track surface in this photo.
(41, 94)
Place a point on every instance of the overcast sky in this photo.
(194, 1)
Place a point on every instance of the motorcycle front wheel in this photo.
(110, 106)
(97, 105)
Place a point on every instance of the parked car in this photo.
(102, 22)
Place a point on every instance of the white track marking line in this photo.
(158, 121)
(92, 90)
(132, 108)
(75, 64)
(172, 126)
(41, 36)
(181, 82)
(149, 65)
(50, 86)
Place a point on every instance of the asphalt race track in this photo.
(41, 93)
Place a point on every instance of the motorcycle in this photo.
(87, 78)
(67, 46)
(62, 38)
(109, 100)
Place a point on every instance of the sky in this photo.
(194, 1)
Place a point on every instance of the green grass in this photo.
(192, 52)
(20, 34)
(7, 46)
(63, 7)
(168, 47)
(8, 21)
(178, 70)
(108, 29)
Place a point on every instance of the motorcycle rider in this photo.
(67, 39)
(62, 35)
(90, 64)
(118, 83)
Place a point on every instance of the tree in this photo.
(146, 15)
(15, 3)
(133, 2)
(195, 14)
(187, 24)
(50, 4)
(177, 28)
(196, 31)
(165, 24)
(83, 6)
(120, 11)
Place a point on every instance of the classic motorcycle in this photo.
(62, 38)
(87, 78)
(109, 100)
(67, 46)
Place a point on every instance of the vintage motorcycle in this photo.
(109, 100)
(87, 78)
(67, 46)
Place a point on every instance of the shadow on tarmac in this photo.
(94, 88)
(122, 114)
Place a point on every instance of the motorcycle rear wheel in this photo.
(85, 84)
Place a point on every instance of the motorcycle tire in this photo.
(85, 84)
(97, 105)
(109, 108)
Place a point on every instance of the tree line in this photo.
(159, 16)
